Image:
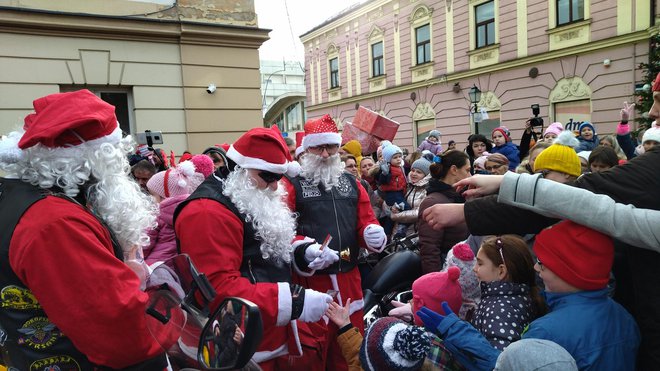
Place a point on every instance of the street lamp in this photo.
(263, 101)
(475, 97)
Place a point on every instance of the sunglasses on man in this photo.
(269, 177)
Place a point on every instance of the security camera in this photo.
(211, 88)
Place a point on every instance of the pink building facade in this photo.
(416, 61)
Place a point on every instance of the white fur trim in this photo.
(305, 272)
(255, 163)
(9, 151)
(265, 355)
(284, 304)
(313, 140)
(355, 306)
(335, 286)
(294, 329)
(299, 150)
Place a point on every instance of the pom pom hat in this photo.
(578, 255)
(177, 181)
(505, 132)
(560, 156)
(389, 151)
(70, 119)
(554, 128)
(431, 289)
(652, 134)
(391, 344)
(321, 131)
(263, 149)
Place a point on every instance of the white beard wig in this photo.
(319, 170)
(273, 222)
(104, 168)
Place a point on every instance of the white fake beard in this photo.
(273, 222)
(319, 170)
(112, 194)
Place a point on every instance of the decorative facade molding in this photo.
(422, 12)
(568, 89)
(332, 49)
(490, 101)
(423, 111)
(376, 33)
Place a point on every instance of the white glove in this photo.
(320, 259)
(316, 303)
(374, 236)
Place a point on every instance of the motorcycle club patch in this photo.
(344, 187)
(15, 297)
(39, 333)
(57, 363)
(309, 189)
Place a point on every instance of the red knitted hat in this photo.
(262, 149)
(431, 289)
(505, 132)
(321, 131)
(578, 255)
(69, 119)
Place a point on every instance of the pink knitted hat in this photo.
(203, 164)
(431, 289)
(175, 181)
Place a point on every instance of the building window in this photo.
(422, 129)
(377, 59)
(423, 38)
(485, 24)
(569, 11)
(334, 73)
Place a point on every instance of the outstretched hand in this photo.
(432, 319)
(440, 216)
(627, 111)
(339, 315)
(479, 185)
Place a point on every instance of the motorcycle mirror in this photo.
(231, 336)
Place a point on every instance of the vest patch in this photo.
(309, 189)
(15, 297)
(344, 187)
(57, 363)
(39, 333)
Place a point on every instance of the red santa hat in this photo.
(70, 119)
(321, 131)
(263, 149)
(299, 143)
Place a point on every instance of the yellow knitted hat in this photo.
(353, 147)
(560, 156)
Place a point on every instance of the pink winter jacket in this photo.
(162, 241)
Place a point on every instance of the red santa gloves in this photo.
(320, 259)
(315, 305)
(375, 238)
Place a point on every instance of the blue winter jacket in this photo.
(594, 329)
(511, 152)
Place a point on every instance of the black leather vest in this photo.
(253, 267)
(334, 212)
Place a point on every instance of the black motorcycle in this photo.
(391, 277)
(195, 339)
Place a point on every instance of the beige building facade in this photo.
(154, 60)
(416, 61)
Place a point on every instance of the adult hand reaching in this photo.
(479, 185)
(440, 216)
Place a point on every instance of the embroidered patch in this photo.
(309, 189)
(15, 297)
(3, 337)
(39, 333)
(343, 187)
(56, 363)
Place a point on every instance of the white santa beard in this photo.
(319, 170)
(113, 196)
(273, 222)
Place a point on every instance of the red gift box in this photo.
(375, 124)
(368, 141)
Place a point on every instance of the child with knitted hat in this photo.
(432, 143)
(560, 162)
(392, 180)
(651, 137)
(462, 257)
(574, 263)
(552, 131)
(169, 188)
(587, 137)
(418, 179)
(502, 144)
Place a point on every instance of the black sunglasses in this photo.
(269, 177)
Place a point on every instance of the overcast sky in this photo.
(284, 40)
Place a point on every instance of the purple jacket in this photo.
(435, 148)
(162, 241)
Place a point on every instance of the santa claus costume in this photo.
(239, 233)
(331, 202)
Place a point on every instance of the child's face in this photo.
(415, 175)
(649, 144)
(551, 281)
(485, 269)
(498, 138)
(549, 137)
(397, 160)
(587, 133)
(433, 140)
(597, 167)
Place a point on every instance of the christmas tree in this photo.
(644, 96)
